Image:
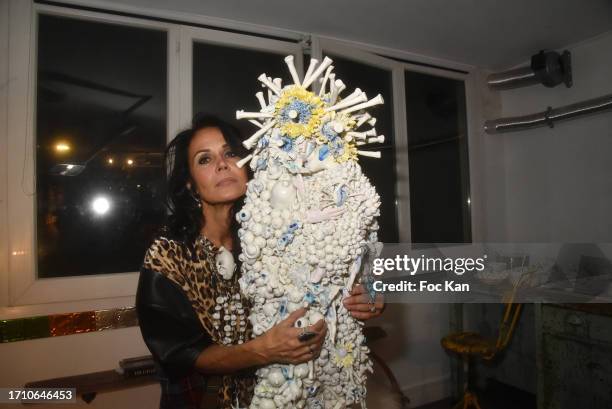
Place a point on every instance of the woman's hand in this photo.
(281, 344)
(358, 304)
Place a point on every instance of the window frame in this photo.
(25, 288)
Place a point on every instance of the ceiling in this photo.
(493, 34)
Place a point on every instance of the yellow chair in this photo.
(472, 345)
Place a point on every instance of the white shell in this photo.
(225, 263)
(275, 377)
(282, 195)
(301, 371)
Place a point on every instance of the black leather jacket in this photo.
(169, 324)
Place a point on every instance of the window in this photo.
(381, 172)
(95, 97)
(225, 79)
(100, 134)
(438, 159)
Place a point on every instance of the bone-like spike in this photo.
(378, 99)
(356, 97)
(370, 132)
(256, 123)
(316, 73)
(260, 98)
(244, 160)
(311, 67)
(378, 139)
(363, 119)
(294, 75)
(372, 122)
(341, 86)
(252, 115)
(369, 154)
(357, 135)
(268, 83)
(336, 90)
(324, 81)
(255, 137)
(278, 82)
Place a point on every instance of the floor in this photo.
(496, 396)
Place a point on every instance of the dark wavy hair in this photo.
(184, 219)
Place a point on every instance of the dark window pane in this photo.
(381, 172)
(100, 133)
(225, 80)
(438, 156)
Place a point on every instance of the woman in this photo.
(180, 292)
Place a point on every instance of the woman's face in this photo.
(213, 169)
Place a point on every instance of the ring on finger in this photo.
(373, 308)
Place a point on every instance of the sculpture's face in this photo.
(213, 169)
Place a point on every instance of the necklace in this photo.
(229, 318)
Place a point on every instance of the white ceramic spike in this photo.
(244, 160)
(378, 139)
(278, 82)
(362, 119)
(252, 115)
(372, 122)
(369, 154)
(355, 98)
(378, 99)
(294, 75)
(311, 67)
(255, 137)
(268, 83)
(316, 73)
(370, 132)
(256, 123)
(332, 81)
(336, 90)
(324, 81)
(357, 135)
(341, 86)
(260, 98)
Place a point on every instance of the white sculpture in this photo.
(309, 217)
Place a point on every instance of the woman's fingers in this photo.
(293, 317)
(318, 326)
(357, 289)
(356, 299)
(363, 316)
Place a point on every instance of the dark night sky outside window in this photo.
(438, 157)
(100, 133)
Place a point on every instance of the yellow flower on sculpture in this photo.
(299, 112)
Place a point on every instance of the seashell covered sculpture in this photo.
(308, 222)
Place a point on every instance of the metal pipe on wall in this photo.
(519, 77)
(550, 116)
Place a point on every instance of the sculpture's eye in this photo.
(293, 115)
(244, 215)
(301, 323)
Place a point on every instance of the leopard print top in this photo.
(194, 270)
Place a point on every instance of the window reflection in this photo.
(100, 134)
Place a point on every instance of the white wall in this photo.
(558, 181)
(547, 185)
